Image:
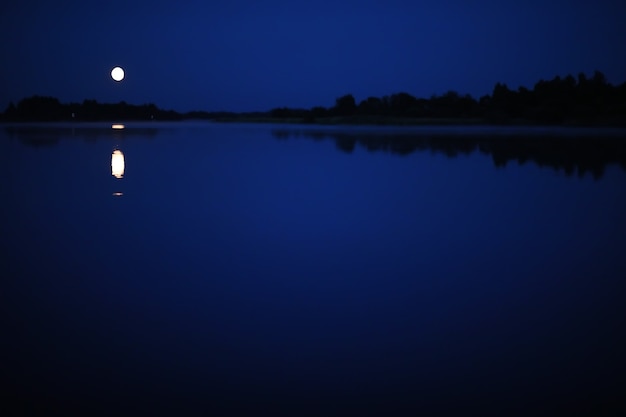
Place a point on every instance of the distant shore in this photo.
(355, 120)
(411, 121)
(568, 101)
(337, 121)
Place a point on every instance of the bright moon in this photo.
(117, 74)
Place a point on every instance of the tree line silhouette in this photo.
(569, 100)
(47, 109)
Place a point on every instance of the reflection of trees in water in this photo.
(52, 135)
(579, 154)
(572, 155)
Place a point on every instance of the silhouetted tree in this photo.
(345, 105)
(40, 108)
(401, 103)
(451, 104)
(371, 106)
(319, 111)
(10, 112)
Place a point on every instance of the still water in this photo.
(222, 269)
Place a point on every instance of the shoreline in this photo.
(357, 120)
(458, 129)
(405, 121)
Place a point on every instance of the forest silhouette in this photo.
(569, 100)
(50, 109)
(576, 101)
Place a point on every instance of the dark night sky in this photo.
(244, 55)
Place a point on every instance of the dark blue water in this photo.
(282, 270)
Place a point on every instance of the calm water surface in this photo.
(209, 269)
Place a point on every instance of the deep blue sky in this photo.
(244, 55)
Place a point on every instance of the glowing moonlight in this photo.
(117, 74)
(117, 164)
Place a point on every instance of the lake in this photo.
(197, 268)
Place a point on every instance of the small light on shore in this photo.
(117, 126)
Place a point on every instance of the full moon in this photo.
(117, 74)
